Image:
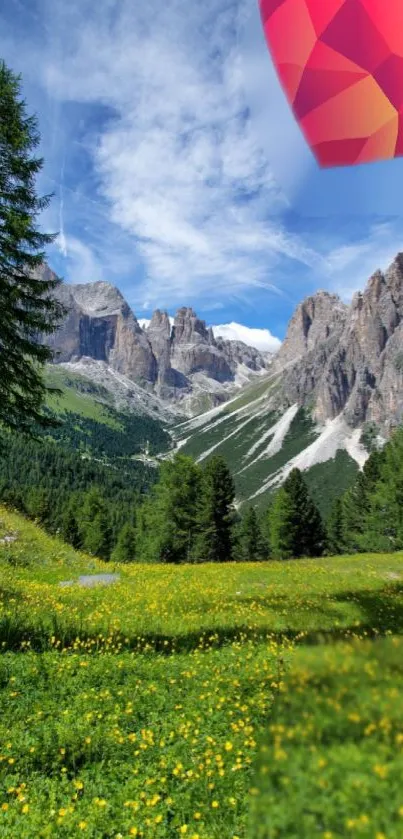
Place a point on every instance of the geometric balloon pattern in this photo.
(340, 63)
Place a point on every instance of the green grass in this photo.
(148, 707)
(332, 765)
(79, 396)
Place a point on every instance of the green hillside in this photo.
(94, 447)
(259, 442)
(92, 423)
(205, 701)
(80, 396)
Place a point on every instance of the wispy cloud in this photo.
(349, 266)
(161, 184)
(177, 163)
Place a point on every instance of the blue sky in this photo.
(168, 162)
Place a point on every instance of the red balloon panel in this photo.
(340, 63)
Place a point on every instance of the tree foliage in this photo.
(250, 545)
(296, 527)
(28, 309)
(215, 518)
(168, 520)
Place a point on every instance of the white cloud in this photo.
(261, 339)
(178, 165)
(82, 264)
(348, 268)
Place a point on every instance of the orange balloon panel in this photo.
(340, 63)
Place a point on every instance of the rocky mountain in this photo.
(336, 382)
(349, 359)
(181, 363)
(337, 377)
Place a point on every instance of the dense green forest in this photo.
(82, 480)
(44, 480)
(126, 435)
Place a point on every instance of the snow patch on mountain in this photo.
(335, 436)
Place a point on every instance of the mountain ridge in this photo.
(183, 363)
(336, 380)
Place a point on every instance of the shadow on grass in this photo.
(381, 614)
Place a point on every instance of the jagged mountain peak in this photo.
(98, 299)
(181, 362)
(314, 321)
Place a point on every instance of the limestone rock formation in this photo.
(349, 359)
(172, 361)
(100, 325)
(194, 349)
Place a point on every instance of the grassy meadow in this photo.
(241, 700)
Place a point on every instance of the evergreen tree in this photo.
(94, 525)
(296, 526)
(357, 503)
(125, 550)
(216, 513)
(250, 543)
(97, 539)
(28, 309)
(167, 524)
(37, 504)
(282, 526)
(69, 530)
(335, 529)
(383, 522)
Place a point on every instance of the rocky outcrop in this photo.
(171, 361)
(349, 359)
(237, 353)
(316, 320)
(194, 349)
(100, 325)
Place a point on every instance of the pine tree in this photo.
(27, 307)
(94, 525)
(216, 513)
(97, 540)
(37, 504)
(250, 544)
(335, 529)
(167, 523)
(382, 528)
(125, 550)
(282, 526)
(357, 503)
(296, 526)
(70, 531)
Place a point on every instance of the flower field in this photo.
(242, 700)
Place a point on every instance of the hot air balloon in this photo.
(340, 63)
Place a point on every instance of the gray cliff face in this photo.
(316, 320)
(100, 325)
(236, 353)
(350, 359)
(194, 349)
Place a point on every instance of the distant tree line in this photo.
(186, 512)
(66, 491)
(125, 436)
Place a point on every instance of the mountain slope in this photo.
(181, 364)
(262, 444)
(338, 374)
(95, 423)
(349, 359)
